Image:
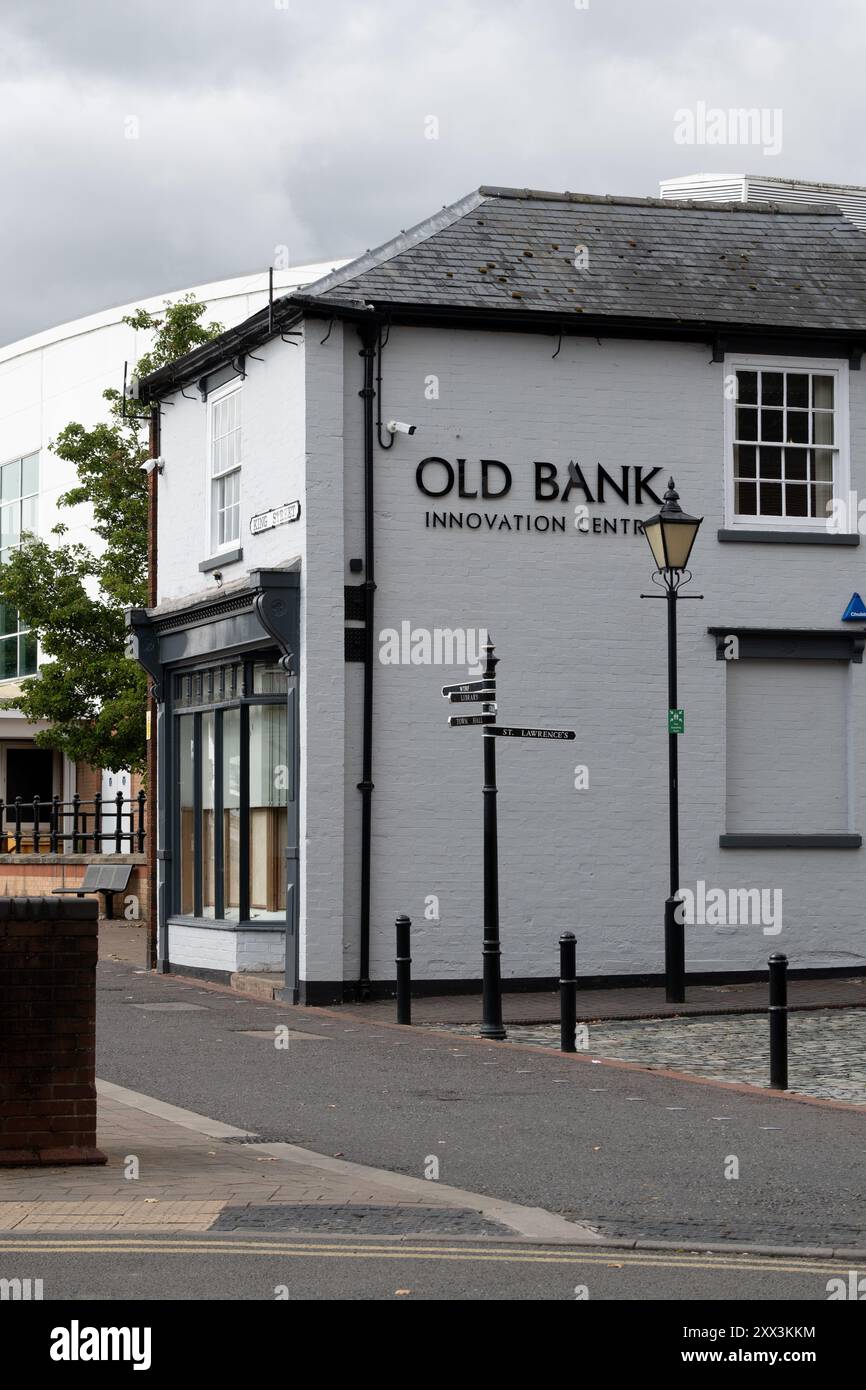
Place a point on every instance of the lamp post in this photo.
(671, 535)
(491, 1026)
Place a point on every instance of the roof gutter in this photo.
(255, 331)
(575, 324)
(291, 311)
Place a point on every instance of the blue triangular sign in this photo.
(856, 611)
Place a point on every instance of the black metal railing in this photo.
(48, 827)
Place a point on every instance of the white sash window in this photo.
(225, 469)
(787, 442)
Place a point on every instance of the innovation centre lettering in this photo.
(491, 480)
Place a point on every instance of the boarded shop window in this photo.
(787, 747)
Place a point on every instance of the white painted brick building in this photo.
(47, 381)
(496, 345)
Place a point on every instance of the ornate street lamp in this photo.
(671, 536)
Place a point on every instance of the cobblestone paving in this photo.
(827, 1048)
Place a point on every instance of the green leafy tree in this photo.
(74, 598)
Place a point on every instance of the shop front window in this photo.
(186, 780)
(268, 810)
(208, 810)
(235, 780)
(231, 814)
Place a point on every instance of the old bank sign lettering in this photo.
(567, 497)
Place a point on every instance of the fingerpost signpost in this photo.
(483, 692)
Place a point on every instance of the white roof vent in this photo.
(761, 188)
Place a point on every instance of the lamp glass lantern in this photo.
(672, 533)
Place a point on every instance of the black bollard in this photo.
(778, 1022)
(404, 971)
(568, 992)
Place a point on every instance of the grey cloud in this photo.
(262, 127)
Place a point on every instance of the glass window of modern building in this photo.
(19, 515)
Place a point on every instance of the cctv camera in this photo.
(399, 427)
(149, 465)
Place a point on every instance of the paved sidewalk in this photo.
(123, 941)
(199, 1175)
(600, 1004)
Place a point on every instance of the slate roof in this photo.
(661, 265)
(513, 250)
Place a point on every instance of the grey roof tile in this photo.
(510, 250)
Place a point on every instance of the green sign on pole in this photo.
(676, 721)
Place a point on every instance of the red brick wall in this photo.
(47, 1032)
(88, 781)
(23, 875)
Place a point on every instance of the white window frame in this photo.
(214, 548)
(823, 366)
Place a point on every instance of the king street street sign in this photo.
(567, 735)
(277, 516)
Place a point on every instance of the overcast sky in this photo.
(151, 145)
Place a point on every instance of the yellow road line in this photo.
(130, 1241)
(611, 1259)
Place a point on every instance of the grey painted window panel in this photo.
(787, 747)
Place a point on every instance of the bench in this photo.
(106, 879)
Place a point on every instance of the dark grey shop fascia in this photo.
(790, 643)
(236, 619)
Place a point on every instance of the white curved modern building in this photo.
(46, 381)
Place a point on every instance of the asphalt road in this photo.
(290, 1268)
(632, 1154)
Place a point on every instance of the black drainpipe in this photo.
(369, 333)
